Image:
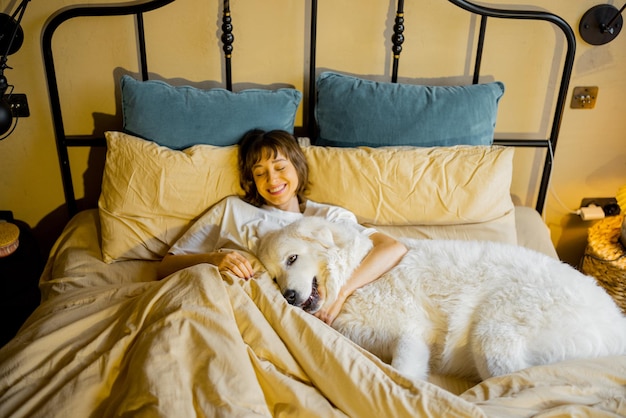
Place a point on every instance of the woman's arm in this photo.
(385, 254)
(224, 260)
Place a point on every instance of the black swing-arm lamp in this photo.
(11, 39)
(601, 24)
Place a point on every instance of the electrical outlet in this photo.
(584, 97)
(19, 104)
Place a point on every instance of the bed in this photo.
(108, 339)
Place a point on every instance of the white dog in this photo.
(471, 309)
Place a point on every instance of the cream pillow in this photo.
(151, 193)
(414, 186)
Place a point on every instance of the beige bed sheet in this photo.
(531, 231)
(193, 344)
(108, 340)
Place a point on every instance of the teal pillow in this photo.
(354, 112)
(178, 117)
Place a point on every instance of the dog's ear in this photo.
(325, 237)
(317, 232)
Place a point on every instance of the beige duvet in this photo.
(109, 340)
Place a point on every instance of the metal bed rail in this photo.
(566, 74)
(64, 141)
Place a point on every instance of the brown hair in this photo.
(255, 146)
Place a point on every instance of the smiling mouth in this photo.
(311, 304)
(278, 189)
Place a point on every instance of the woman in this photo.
(273, 173)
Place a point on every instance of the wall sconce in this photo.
(11, 38)
(601, 24)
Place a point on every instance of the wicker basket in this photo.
(605, 258)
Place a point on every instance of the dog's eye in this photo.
(292, 259)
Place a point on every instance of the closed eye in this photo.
(291, 259)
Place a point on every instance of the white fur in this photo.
(473, 309)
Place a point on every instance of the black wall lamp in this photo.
(601, 24)
(11, 38)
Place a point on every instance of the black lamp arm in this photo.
(617, 15)
(19, 10)
(11, 37)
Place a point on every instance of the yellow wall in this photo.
(354, 37)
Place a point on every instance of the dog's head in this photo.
(311, 259)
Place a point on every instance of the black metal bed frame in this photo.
(138, 8)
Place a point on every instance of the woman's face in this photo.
(276, 181)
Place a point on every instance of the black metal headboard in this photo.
(139, 8)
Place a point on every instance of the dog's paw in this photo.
(411, 357)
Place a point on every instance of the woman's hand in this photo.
(329, 313)
(224, 260)
(235, 263)
(385, 254)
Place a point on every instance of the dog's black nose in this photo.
(290, 295)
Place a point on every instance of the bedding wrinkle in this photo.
(76, 263)
(288, 391)
(331, 361)
(87, 356)
(212, 377)
(260, 335)
(287, 395)
(571, 388)
(115, 324)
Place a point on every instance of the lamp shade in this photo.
(9, 43)
(6, 116)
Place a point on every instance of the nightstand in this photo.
(19, 280)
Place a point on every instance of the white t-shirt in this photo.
(235, 224)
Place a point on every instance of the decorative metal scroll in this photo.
(309, 123)
(228, 39)
(397, 40)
